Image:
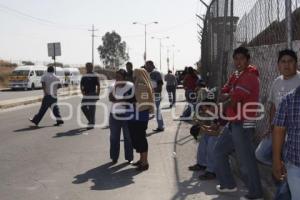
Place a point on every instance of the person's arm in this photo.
(44, 88)
(82, 87)
(213, 130)
(98, 86)
(111, 97)
(160, 83)
(278, 138)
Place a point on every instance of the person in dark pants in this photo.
(171, 87)
(50, 84)
(120, 95)
(90, 89)
(129, 75)
(143, 105)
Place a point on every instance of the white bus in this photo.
(27, 77)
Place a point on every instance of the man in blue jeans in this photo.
(286, 136)
(157, 83)
(241, 89)
(282, 85)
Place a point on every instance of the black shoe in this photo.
(31, 120)
(89, 127)
(159, 130)
(114, 161)
(197, 167)
(129, 162)
(142, 167)
(137, 163)
(207, 176)
(59, 122)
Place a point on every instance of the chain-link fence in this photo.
(264, 26)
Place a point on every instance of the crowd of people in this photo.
(238, 105)
(223, 123)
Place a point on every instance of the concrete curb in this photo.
(11, 104)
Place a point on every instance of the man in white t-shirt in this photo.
(282, 85)
(50, 84)
(157, 83)
(121, 93)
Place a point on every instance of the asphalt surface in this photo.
(70, 163)
(14, 94)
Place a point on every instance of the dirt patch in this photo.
(6, 69)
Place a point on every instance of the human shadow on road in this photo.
(31, 128)
(107, 177)
(73, 132)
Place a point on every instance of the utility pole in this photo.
(93, 37)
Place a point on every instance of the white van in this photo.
(72, 76)
(27, 77)
(59, 72)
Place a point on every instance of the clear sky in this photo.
(68, 21)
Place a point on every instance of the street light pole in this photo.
(160, 46)
(145, 54)
(145, 27)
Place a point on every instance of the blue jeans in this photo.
(238, 139)
(264, 154)
(159, 118)
(190, 97)
(48, 102)
(293, 178)
(205, 154)
(115, 126)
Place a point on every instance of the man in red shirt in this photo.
(241, 90)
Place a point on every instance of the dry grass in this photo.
(5, 70)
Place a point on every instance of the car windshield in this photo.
(20, 73)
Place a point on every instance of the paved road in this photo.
(70, 163)
(14, 94)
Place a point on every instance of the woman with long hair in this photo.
(143, 105)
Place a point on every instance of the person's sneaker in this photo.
(159, 130)
(207, 176)
(225, 190)
(248, 197)
(197, 167)
(31, 120)
(59, 122)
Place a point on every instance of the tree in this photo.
(113, 50)
(27, 63)
(56, 64)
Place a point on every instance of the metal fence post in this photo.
(289, 31)
(223, 45)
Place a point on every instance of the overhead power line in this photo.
(38, 19)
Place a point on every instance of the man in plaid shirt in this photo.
(287, 125)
